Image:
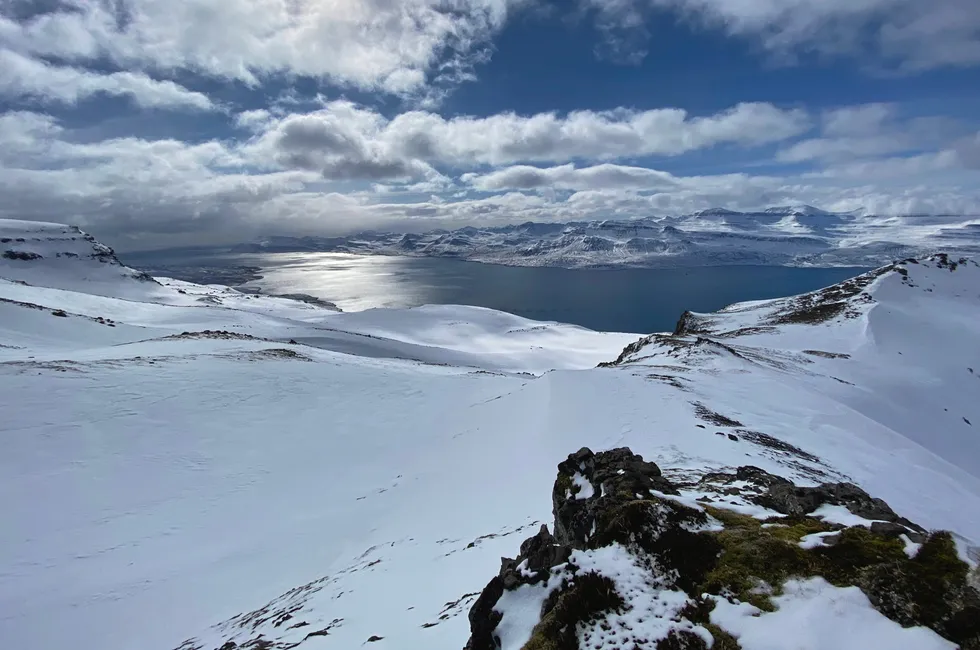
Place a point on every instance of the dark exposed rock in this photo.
(483, 619)
(617, 498)
(24, 256)
(759, 476)
(790, 499)
(577, 602)
(616, 477)
(779, 494)
(891, 529)
(539, 554)
(717, 419)
(629, 350)
(777, 446)
(689, 323)
(543, 551)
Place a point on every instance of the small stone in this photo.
(888, 529)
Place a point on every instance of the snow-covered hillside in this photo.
(788, 235)
(189, 466)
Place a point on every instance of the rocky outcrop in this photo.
(24, 256)
(617, 476)
(782, 496)
(637, 561)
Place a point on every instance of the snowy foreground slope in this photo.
(187, 466)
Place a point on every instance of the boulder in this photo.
(588, 483)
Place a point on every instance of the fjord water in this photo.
(623, 300)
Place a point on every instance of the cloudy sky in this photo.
(174, 122)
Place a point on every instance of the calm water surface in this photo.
(625, 300)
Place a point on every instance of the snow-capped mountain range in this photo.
(788, 235)
(187, 466)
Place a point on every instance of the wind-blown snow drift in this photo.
(176, 468)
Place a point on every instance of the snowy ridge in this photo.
(189, 466)
(64, 257)
(789, 235)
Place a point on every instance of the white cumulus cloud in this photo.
(344, 140)
(383, 45)
(23, 77)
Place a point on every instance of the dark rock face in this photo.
(619, 474)
(539, 554)
(689, 324)
(788, 499)
(776, 493)
(616, 499)
(596, 499)
(24, 256)
(543, 552)
(484, 620)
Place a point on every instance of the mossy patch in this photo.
(580, 601)
(930, 589)
(747, 560)
(732, 519)
(793, 529)
(698, 611)
(660, 528)
(753, 565)
(564, 484)
(756, 561)
(856, 549)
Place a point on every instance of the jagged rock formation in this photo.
(639, 562)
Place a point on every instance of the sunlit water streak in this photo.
(632, 300)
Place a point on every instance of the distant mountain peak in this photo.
(715, 212)
(801, 209)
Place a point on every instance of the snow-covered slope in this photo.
(198, 466)
(788, 235)
(64, 257)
